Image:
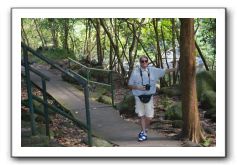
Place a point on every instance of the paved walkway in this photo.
(106, 121)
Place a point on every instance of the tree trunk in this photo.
(23, 33)
(191, 127)
(44, 44)
(98, 42)
(53, 29)
(159, 62)
(163, 39)
(66, 33)
(174, 50)
(201, 55)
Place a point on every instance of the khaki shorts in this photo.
(144, 109)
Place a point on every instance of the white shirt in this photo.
(136, 79)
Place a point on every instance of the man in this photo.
(142, 82)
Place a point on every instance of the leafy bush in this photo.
(206, 81)
(208, 99)
(174, 112)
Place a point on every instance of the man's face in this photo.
(144, 62)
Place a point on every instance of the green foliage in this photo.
(206, 39)
(174, 112)
(171, 91)
(206, 81)
(208, 99)
(207, 142)
(165, 102)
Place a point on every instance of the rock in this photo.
(171, 91)
(191, 144)
(207, 128)
(177, 124)
(208, 99)
(98, 142)
(105, 99)
(174, 112)
(206, 80)
(127, 106)
(210, 114)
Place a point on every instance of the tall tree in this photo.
(23, 33)
(66, 33)
(53, 29)
(174, 49)
(38, 29)
(97, 26)
(191, 127)
(159, 62)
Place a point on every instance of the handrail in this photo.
(83, 83)
(37, 72)
(88, 69)
(79, 79)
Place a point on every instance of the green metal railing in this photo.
(89, 70)
(44, 101)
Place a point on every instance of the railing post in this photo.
(29, 92)
(69, 63)
(46, 114)
(88, 118)
(112, 87)
(88, 75)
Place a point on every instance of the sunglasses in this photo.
(144, 61)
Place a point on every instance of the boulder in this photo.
(98, 142)
(174, 112)
(127, 106)
(177, 124)
(171, 91)
(210, 114)
(208, 99)
(205, 81)
(105, 99)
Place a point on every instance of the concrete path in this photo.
(106, 121)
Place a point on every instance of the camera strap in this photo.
(148, 75)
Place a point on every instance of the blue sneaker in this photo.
(142, 136)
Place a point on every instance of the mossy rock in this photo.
(205, 81)
(174, 112)
(127, 106)
(98, 142)
(177, 123)
(171, 91)
(211, 114)
(208, 99)
(105, 99)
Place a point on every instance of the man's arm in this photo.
(171, 70)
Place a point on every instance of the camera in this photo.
(147, 86)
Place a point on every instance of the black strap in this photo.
(148, 75)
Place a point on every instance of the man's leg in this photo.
(147, 122)
(143, 123)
